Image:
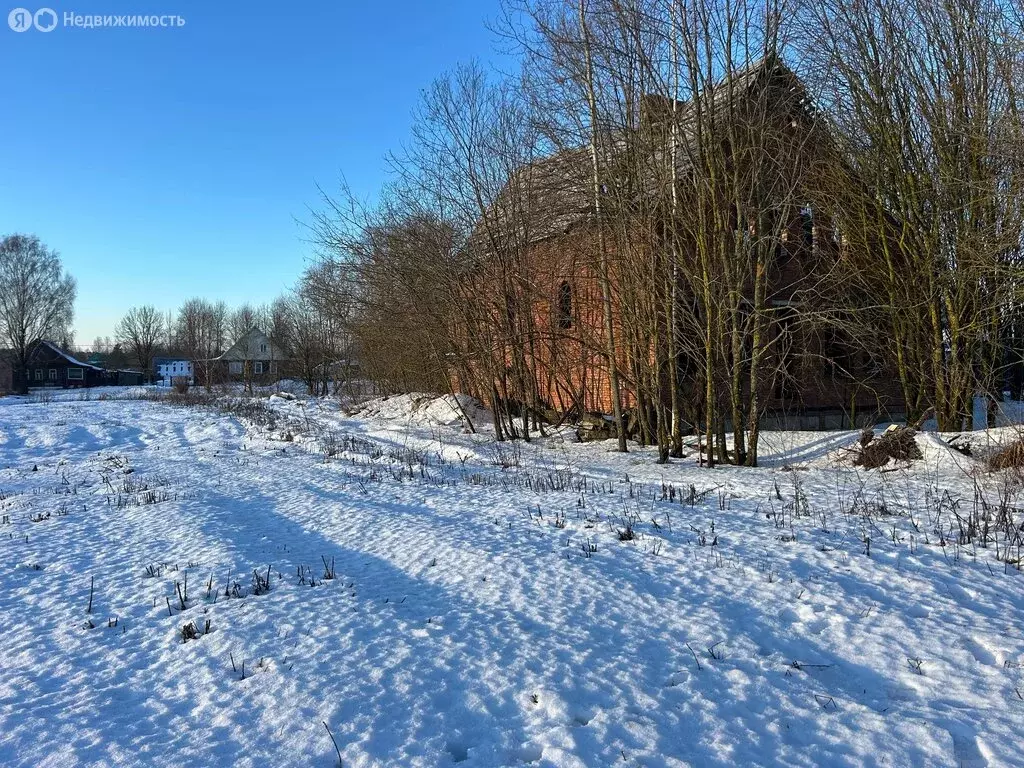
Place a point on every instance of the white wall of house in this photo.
(174, 369)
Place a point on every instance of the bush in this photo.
(1008, 457)
(180, 384)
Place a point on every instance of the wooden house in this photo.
(49, 366)
(6, 372)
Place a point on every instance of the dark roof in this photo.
(542, 199)
(71, 360)
(550, 196)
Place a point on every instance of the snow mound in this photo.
(425, 409)
(933, 452)
(987, 444)
(937, 452)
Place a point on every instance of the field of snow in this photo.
(436, 598)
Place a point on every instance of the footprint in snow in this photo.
(459, 752)
(529, 753)
(789, 616)
(978, 650)
(898, 692)
(959, 593)
(817, 627)
(582, 717)
(967, 747)
(678, 677)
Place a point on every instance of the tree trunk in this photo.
(606, 293)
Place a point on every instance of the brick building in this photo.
(828, 382)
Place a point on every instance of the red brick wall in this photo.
(570, 363)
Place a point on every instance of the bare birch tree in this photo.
(37, 298)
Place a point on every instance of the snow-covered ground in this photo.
(542, 604)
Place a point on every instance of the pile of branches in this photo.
(895, 444)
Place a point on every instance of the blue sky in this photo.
(169, 163)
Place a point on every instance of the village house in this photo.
(6, 372)
(825, 383)
(253, 359)
(49, 366)
(167, 369)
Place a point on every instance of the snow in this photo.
(424, 409)
(486, 610)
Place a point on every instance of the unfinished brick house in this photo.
(826, 381)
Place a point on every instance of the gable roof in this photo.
(541, 199)
(61, 353)
(246, 348)
(550, 196)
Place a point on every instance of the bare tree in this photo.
(37, 298)
(927, 97)
(201, 329)
(388, 277)
(141, 331)
(471, 163)
(698, 232)
(598, 186)
(240, 321)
